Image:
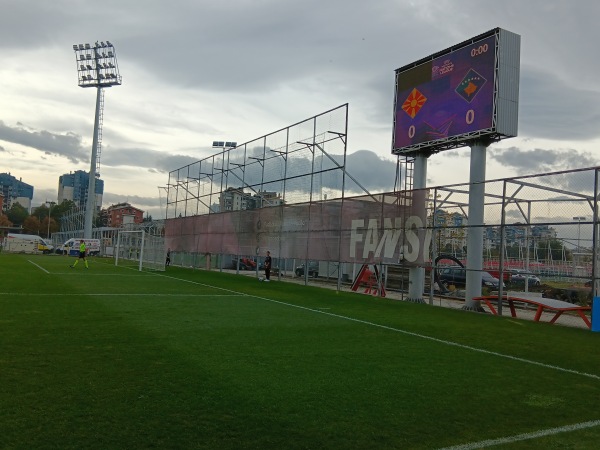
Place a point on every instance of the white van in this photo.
(71, 247)
(26, 243)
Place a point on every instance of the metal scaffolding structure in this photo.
(305, 162)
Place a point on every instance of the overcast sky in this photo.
(195, 71)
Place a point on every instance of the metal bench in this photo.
(542, 304)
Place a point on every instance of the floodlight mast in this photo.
(96, 67)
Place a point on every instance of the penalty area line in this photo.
(38, 266)
(525, 436)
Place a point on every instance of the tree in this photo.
(41, 212)
(4, 222)
(54, 227)
(17, 214)
(32, 225)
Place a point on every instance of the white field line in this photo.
(91, 273)
(36, 294)
(469, 446)
(38, 266)
(525, 436)
(398, 330)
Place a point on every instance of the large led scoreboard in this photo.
(462, 94)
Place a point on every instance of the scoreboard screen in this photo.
(447, 99)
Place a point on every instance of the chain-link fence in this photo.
(540, 238)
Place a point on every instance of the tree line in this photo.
(42, 221)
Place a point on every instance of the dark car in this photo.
(457, 276)
(313, 269)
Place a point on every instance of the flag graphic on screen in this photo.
(413, 103)
(470, 85)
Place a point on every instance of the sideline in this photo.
(398, 330)
(525, 436)
(38, 266)
(89, 294)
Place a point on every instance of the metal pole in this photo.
(416, 274)
(475, 231)
(527, 231)
(49, 216)
(595, 239)
(91, 195)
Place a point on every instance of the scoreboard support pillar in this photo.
(416, 275)
(475, 230)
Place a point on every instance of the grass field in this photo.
(114, 358)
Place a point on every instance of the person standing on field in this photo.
(268, 266)
(82, 251)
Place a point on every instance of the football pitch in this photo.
(111, 357)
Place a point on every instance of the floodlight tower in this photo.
(96, 67)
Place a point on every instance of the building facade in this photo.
(15, 191)
(74, 186)
(123, 214)
(235, 199)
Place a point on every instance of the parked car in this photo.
(457, 276)
(519, 277)
(244, 264)
(313, 269)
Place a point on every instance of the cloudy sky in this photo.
(195, 71)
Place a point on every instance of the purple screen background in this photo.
(444, 113)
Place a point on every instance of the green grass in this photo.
(113, 358)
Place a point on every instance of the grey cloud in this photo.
(551, 108)
(144, 158)
(41, 195)
(541, 160)
(373, 172)
(67, 145)
(544, 161)
(110, 198)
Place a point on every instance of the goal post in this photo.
(138, 249)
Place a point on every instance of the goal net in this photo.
(140, 250)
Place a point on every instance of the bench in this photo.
(541, 303)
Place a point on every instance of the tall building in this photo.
(15, 191)
(74, 186)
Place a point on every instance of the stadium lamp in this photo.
(96, 67)
(224, 144)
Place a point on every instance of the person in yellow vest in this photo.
(82, 251)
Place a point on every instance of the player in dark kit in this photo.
(268, 267)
